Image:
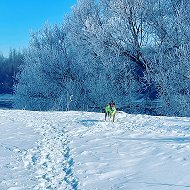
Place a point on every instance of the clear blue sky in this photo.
(19, 17)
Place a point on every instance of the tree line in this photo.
(9, 67)
(121, 50)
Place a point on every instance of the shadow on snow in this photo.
(90, 123)
(169, 139)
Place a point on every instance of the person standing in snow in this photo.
(110, 111)
(113, 111)
(107, 111)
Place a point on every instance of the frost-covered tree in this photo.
(84, 25)
(125, 27)
(9, 67)
(112, 40)
(123, 50)
(46, 79)
(169, 23)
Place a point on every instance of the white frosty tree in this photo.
(123, 50)
(169, 24)
(47, 78)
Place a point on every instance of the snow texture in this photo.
(81, 151)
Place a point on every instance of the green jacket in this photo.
(108, 108)
(113, 111)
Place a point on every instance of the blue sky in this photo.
(19, 17)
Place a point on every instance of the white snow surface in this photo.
(81, 151)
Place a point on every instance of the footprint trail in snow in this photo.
(51, 158)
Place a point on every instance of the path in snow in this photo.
(51, 158)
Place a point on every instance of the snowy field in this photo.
(80, 151)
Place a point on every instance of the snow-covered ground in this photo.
(80, 151)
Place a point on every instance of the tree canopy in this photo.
(121, 50)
